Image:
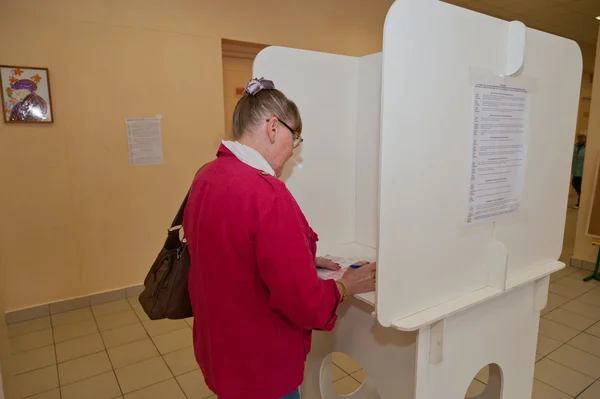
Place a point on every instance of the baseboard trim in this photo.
(68, 305)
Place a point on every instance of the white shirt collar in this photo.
(249, 156)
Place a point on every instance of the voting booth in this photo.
(446, 158)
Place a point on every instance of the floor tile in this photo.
(33, 340)
(546, 345)
(547, 310)
(559, 332)
(159, 327)
(174, 340)
(543, 391)
(360, 376)
(570, 319)
(82, 368)
(577, 360)
(116, 320)
(475, 389)
(134, 301)
(591, 298)
(583, 309)
(567, 291)
(124, 335)
(592, 392)
(345, 386)
(103, 386)
(556, 300)
(33, 359)
(183, 361)
(561, 377)
(483, 375)
(538, 357)
(346, 363)
(79, 347)
(166, 389)
(111, 307)
(35, 382)
(67, 332)
(587, 343)
(190, 322)
(141, 375)
(580, 274)
(576, 280)
(139, 311)
(594, 330)
(72, 317)
(132, 353)
(337, 373)
(53, 394)
(193, 385)
(562, 273)
(29, 326)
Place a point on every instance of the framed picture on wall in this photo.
(26, 94)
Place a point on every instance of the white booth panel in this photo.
(324, 86)
(535, 237)
(427, 255)
(367, 150)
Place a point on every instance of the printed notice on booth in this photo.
(145, 141)
(500, 121)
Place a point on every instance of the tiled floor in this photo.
(113, 350)
(106, 351)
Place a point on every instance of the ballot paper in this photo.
(345, 263)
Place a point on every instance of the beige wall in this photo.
(76, 218)
(583, 243)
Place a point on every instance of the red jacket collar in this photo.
(223, 151)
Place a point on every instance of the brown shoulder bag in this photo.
(166, 292)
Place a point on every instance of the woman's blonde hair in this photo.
(262, 101)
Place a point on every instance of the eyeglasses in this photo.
(297, 139)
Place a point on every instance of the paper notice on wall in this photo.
(499, 152)
(145, 141)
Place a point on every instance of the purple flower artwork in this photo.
(25, 94)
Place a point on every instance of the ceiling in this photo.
(574, 19)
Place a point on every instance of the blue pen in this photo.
(356, 266)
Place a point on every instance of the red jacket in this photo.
(253, 282)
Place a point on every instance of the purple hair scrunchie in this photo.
(255, 86)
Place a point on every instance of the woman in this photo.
(253, 281)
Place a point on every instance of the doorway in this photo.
(238, 58)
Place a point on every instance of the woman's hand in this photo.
(360, 280)
(325, 263)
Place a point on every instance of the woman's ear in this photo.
(272, 129)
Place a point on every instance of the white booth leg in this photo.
(501, 332)
(387, 355)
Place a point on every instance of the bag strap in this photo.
(178, 221)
